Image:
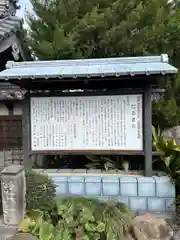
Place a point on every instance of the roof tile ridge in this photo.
(102, 61)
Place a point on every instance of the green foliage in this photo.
(94, 29)
(166, 113)
(170, 151)
(106, 163)
(84, 29)
(41, 191)
(80, 218)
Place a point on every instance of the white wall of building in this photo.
(3, 110)
(17, 109)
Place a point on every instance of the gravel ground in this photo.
(6, 231)
(5, 234)
(174, 223)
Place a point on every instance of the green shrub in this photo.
(40, 191)
(170, 151)
(80, 218)
(107, 162)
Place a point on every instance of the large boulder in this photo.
(149, 227)
(176, 235)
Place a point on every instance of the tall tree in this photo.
(64, 29)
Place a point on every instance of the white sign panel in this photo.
(87, 123)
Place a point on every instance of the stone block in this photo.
(76, 185)
(93, 185)
(79, 171)
(94, 171)
(65, 170)
(13, 186)
(170, 206)
(146, 187)
(128, 186)
(110, 185)
(164, 188)
(113, 198)
(103, 198)
(123, 200)
(156, 205)
(61, 185)
(51, 171)
(150, 227)
(138, 203)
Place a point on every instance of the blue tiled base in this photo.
(141, 194)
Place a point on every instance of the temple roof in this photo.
(9, 26)
(7, 7)
(10, 92)
(9, 23)
(89, 68)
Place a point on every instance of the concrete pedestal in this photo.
(13, 194)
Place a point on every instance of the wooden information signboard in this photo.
(86, 123)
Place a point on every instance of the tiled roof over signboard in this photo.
(87, 68)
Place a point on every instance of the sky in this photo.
(25, 5)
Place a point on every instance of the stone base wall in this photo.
(141, 194)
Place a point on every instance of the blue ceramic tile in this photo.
(110, 185)
(138, 203)
(156, 205)
(170, 206)
(164, 188)
(128, 186)
(113, 198)
(93, 185)
(146, 187)
(103, 198)
(61, 185)
(76, 188)
(76, 185)
(76, 179)
(62, 189)
(123, 200)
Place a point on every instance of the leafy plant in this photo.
(166, 113)
(170, 151)
(41, 191)
(106, 163)
(80, 218)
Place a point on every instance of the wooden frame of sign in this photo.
(40, 110)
